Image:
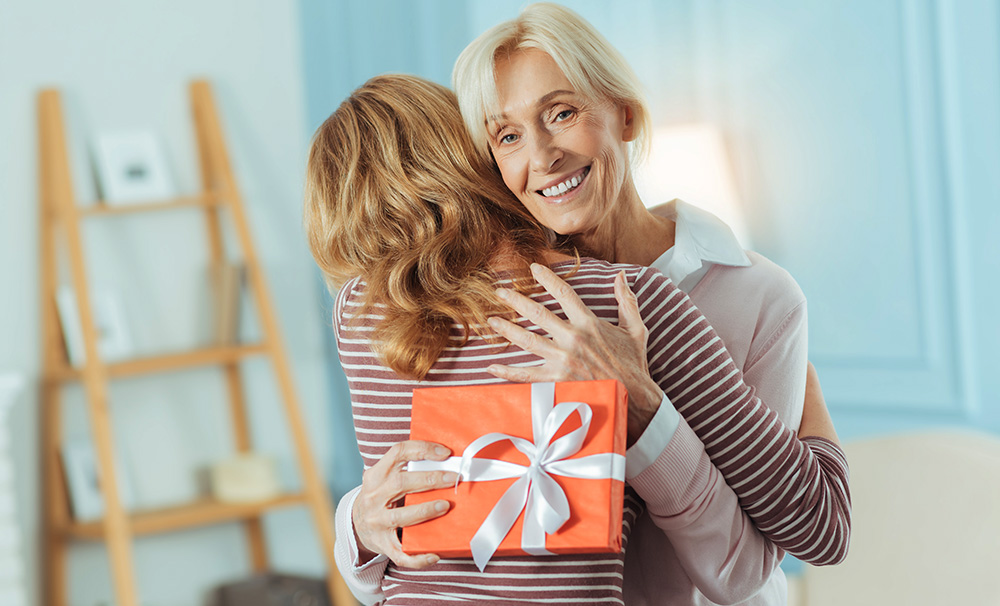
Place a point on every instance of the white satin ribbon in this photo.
(535, 492)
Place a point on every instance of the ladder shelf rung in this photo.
(103, 208)
(208, 356)
(199, 513)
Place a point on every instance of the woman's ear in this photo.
(628, 132)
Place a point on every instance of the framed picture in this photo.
(131, 167)
(113, 341)
(83, 480)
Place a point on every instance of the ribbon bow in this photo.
(535, 492)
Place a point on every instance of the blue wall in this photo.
(865, 138)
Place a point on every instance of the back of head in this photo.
(396, 194)
(592, 65)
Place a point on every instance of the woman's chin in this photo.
(569, 225)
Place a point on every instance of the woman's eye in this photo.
(508, 138)
(564, 115)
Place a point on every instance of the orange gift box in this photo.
(458, 416)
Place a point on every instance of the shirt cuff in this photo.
(653, 440)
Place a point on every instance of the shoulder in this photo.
(348, 298)
(757, 309)
(638, 277)
(594, 281)
(598, 272)
(763, 282)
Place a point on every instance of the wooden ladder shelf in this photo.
(60, 216)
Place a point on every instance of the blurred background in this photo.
(860, 141)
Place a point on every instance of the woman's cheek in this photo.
(613, 176)
(509, 171)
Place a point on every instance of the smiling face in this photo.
(562, 154)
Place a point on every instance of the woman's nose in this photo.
(545, 154)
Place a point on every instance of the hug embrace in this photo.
(495, 235)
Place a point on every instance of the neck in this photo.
(629, 233)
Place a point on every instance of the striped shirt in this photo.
(779, 480)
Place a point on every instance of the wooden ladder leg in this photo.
(253, 527)
(55, 517)
(117, 530)
(55, 505)
(316, 492)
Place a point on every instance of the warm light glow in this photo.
(690, 162)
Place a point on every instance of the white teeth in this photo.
(563, 187)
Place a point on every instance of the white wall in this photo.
(125, 65)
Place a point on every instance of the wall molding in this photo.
(934, 375)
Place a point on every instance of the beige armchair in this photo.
(926, 526)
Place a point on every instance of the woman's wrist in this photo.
(644, 402)
(365, 555)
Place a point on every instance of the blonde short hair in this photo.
(595, 68)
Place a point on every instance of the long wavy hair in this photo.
(396, 194)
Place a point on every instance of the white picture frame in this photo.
(83, 480)
(131, 167)
(113, 341)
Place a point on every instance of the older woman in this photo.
(557, 108)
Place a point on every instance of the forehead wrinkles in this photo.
(500, 116)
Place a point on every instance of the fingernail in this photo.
(535, 266)
(441, 506)
(441, 451)
(432, 559)
(503, 293)
(449, 477)
(493, 322)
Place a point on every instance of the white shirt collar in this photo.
(700, 239)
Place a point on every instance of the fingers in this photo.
(377, 513)
(572, 305)
(523, 338)
(534, 312)
(517, 374)
(407, 482)
(557, 366)
(402, 453)
(629, 317)
(388, 481)
(408, 515)
(395, 553)
(401, 517)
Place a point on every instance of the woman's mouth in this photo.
(564, 187)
